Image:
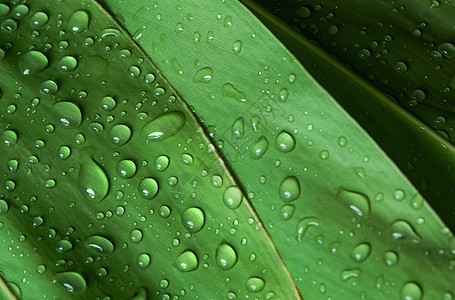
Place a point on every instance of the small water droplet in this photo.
(67, 64)
(136, 236)
(390, 258)
(39, 19)
(237, 47)
(232, 197)
(119, 134)
(350, 274)
(286, 212)
(238, 128)
(143, 261)
(67, 114)
(161, 163)
(285, 142)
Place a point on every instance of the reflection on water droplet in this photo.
(304, 224)
(356, 201)
(163, 127)
(286, 212)
(186, 262)
(350, 274)
(411, 291)
(161, 163)
(126, 168)
(255, 284)
(361, 252)
(193, 219)
(238, 128)
(136, 236)
(390, 258)
(289, 189)
(143, 261)
(67, 64)
(237, 47)
(9, 138)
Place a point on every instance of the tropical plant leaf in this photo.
(111, 189)
(403, 47)
(355, 215)
(422, 155)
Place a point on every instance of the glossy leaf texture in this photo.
(343, 217)
(110, 188)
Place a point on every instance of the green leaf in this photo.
(113, 189)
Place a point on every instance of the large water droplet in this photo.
(119, 134)
(259, 149)
(186, 262)
(32, 62)
(78, 21)
(411, 291)
(232, 197)
(303, 226)
(126, 168)
(255, 284)
(401, 229)
(9, 138)
(193, 219)
(356, 201)
(72, 281)
(67, 114)
(447, 49)
(230, 91)
(99, 244)
(289, 189)
(148, 188)
(361, 252)
(226, 256)
(92, 181)
(163, 127)
(204, 75)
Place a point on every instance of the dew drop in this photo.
(226, 256)
(12, 165)
(163, 127)
(230, 91)
(72, 281)
(447, 49)
(401, 229)
(32, 62)
(411, 291)
(49, 87)
(126, 168)
(67, 64)
(289, 189)
(286, 212)
(260, 148)
(143, 261)
(186, 262)
(238, 128)
(92, 180)
(237, 47)
(187, 159)
(193, 219)
(255, 284)
(119, 134)
(283, 94)
(390, 258)
(303, 226)
(350, 274)
(148, 188)
(136, 236)
(356, 201)
(39, 19)
(204, 75)
(78, 21)
(232, 197)
(9, 138)
(108, 103)
(64, 246)
(361, 252)
(134, 71)
(67, 114)
(161, 163)
(64, 152)
(9, 185)
(37, 221)
(99, 244)
(285, 142)
(3, 207)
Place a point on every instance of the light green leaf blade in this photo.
(110, 188)
(329, 248)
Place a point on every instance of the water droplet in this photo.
(32, 62)
(289, 189)
(237, 47)
(390, 258)
(411, 291)
(99, 244)
(37, 221)
(163, 127)
(72, 281)
(67, 64)
(361, 252)
(399, 195)
(149, 78)
(92, 180)
(230, 91)
(187, 159)
(303, 12)
(64, 246)
(283, 94)
(285, 142)
(108, 103)
(3, 207)
(9, 185)
(49, 87)
(40, 269)
(64, 152)
(193, 219)
(4, 10)
(9, 138)
(226, 256)
(255, 284)
(119, 134)
(286, 212)
(401, 229)
(78, 21)
(356, 201)
(447, 49)
(238, 128)
(232, 197)
(186, 262)
(143, 261)
(12, 165)
(204, 75)
(324, 154)
(332, 30)
(447, 296)
(401, 67)
(259, 149)
(39, 19)
(364, 53)
(164, 211)
(136, 236)
(164, 283)
(216, 181)
(67, 114)
(134, 71)
(304, 224)
(148, 188)
(126, 168)
(350, 274)
(161, 163)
